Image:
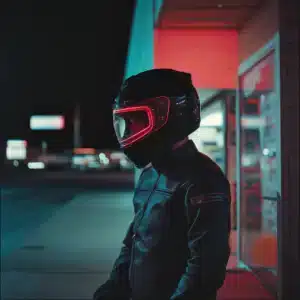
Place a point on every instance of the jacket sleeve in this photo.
(117, 286)
(208, 242)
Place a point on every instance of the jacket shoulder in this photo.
(208, 186)
(207, 176)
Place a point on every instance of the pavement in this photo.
(60, 243)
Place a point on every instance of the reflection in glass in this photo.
(259, 173)
(209, 138)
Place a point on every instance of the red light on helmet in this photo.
(134, 123)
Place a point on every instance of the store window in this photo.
(216, 138)
(210, 137)
(259, 163)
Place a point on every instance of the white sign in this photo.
(16, 150)
(47, 122)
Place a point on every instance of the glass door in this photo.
(259, 172)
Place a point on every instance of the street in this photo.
(60, 243)
(67, 178)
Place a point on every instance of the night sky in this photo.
(56, 53)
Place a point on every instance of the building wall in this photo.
(140, 52)
(157, 8)
(258, 30)
(209, 55)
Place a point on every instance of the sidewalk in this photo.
(240, 284)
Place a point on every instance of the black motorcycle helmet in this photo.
(154, 110)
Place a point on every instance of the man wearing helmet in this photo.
(177, 246)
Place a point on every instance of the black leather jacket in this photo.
(177, 246)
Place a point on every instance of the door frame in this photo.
(289, 213)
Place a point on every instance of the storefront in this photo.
(259, 162)
(249, 51)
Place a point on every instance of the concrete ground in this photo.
(60, 243)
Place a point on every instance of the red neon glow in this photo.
(154, 123)
(139, 135)
(211, 56)
(84, 151)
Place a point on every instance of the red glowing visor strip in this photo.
(139, 135)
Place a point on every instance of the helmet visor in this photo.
(132, 123)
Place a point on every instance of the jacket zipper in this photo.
(131, 278)
(131, 275)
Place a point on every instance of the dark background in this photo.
(55, 54)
